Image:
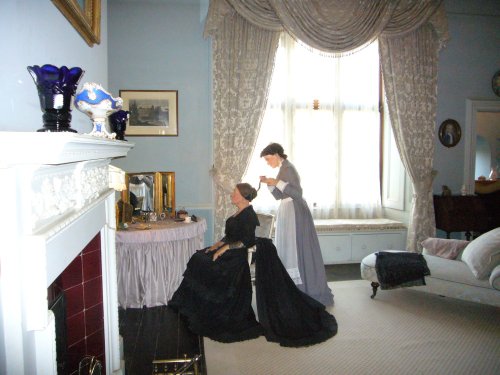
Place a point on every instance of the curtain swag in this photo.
(245, 37)
(333, 26)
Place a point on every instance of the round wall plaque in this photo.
(450, 133)
(495, 83)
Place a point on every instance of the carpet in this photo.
(401, 331)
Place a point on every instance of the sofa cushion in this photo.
(482, 255)
(442, 247)
(495, 277)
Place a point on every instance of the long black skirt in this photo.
(215, 298)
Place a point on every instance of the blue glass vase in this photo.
(56, 88)
(118, 121)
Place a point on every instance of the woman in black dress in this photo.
(215, 294)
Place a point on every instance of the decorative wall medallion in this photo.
(495, 83)
(449, 133)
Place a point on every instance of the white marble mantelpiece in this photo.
(18, 148)
(55, 197)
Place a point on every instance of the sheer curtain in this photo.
(324, 111)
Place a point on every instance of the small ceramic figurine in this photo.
(182, 213)
(98, 104)
(446, 191)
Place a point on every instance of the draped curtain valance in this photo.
(334, 26)
(245, 35)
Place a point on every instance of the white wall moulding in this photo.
(472, 108)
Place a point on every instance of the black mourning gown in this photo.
(215, 296)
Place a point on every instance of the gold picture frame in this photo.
(152, 112)
(85, 16)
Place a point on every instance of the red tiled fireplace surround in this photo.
(81, 284)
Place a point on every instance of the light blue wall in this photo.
(34, 32)
(466, 66)
(159, 45)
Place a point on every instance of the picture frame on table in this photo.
(85, 16)
(151, 112)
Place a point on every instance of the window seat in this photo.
(350, 240)
(357, 225)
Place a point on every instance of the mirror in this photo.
(150, 191)
(482, 140)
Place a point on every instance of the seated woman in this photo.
(215, 294)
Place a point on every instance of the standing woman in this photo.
(296, 238)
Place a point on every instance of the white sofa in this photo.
(459, 269)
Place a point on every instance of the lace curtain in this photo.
(410, 76)
(241, 73)
(337, 27)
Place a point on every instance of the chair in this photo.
(264, 230)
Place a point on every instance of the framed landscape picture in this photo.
(152, 112)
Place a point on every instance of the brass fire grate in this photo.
(177, 366)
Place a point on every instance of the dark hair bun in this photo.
(247, 191)
(272, 149)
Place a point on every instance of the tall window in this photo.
(324, 111)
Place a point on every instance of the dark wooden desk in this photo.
(472, 214)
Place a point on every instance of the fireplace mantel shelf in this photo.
(18, 148)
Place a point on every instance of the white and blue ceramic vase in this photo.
(56, 88)
(98, 104)
(118, 122)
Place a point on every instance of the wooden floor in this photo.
(158, 333)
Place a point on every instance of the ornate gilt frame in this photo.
(85, 19)
(161, 203)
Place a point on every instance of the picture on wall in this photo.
(152, 112)
(85, 16)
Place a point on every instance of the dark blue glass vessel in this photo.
(56, 88)
(118, 121)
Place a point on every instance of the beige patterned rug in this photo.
(400, 332)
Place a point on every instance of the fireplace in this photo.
(78, 310)
(56, 203)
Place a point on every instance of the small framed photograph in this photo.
(449, 133)
(152, 112)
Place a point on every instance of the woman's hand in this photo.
(221, 251)
(268, 180)
(215, 246)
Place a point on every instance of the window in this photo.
(325, 113)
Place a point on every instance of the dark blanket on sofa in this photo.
(400, 269)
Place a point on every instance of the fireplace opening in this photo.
(58, 308)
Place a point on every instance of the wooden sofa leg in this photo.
(374, 289)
